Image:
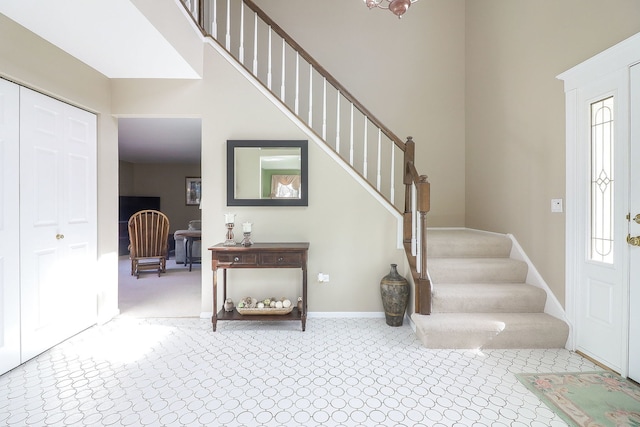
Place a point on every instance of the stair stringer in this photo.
(552, 305)
(312, 136)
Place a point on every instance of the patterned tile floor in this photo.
(340, 372)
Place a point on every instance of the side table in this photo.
(258, 255)
(189, 238)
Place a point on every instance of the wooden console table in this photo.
(258, 255)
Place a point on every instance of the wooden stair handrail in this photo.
(422, 206)
(411, 178)
(316, 65)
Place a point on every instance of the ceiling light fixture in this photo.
(398, 7)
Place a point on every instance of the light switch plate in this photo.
(556, 205)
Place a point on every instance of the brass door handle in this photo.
(633, 241)
(637, 218)
(59, 236)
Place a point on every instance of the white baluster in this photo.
(393, 168)
(269, 61)
(297, 99)
(351, 136)
(310, 96)
(324, 108)
(214, 23)
(414, 220)
(241, 49)
(227, 40)
(365, 165)
(283, 73)
(338, 123)
(379, 173)
(255, 44)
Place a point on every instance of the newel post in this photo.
(423, 291)
(409, 157)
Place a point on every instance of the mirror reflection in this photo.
(267, 173)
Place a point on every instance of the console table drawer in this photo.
(238, 259)
(281, 259)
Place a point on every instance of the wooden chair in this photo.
(148, 241)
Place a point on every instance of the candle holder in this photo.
(230, 241)
(247, 239)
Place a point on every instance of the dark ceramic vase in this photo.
(394, 290)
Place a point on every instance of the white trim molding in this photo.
(605, 73)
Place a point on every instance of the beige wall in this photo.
(515, 126)
(166, 181)
(473, 82)
(28, 60)
(125, 178)
(409, 73)
(354, 243)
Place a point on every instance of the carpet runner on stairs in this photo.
(481, 298)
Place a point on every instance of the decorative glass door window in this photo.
(602, 180)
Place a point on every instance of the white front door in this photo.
(9, 224)
(58, 221)
(602, 198)
(634, 229)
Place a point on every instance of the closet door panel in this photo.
(58, 226)
(79, 179)
(9, 227)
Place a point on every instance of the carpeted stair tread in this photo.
(480, 296)
(490, 330)
(487, 297)
(462, 243)
(477, 270)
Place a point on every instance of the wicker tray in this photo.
(263, 311)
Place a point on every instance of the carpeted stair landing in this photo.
(481, 298)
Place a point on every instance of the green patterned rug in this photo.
(587, 399)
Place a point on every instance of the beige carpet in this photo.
(175, 293)
(481, 298)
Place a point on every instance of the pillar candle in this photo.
(246, 227)
(229, 218)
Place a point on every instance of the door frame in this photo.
(615, 59)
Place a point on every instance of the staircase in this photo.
(480, 298)
(328, 114)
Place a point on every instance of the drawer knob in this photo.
(280, 259)
(236, 259)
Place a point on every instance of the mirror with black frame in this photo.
(267, 173)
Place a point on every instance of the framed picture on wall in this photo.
(193, 190)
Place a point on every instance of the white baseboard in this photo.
(552, 306)
(345, 314)
(326, 314)
(105, 318)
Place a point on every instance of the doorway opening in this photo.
(158, 157)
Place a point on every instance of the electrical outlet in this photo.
(323, 278)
